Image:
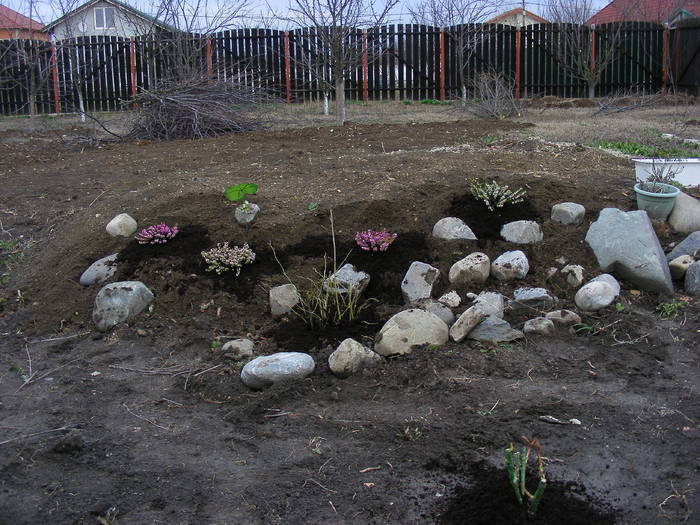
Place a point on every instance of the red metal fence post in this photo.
(54, 75)
(287, 75)
(132, 68)
(365, 87)
(442, 64)
(665, 61)
(517, 64)
(210, 64)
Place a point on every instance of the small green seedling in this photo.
(312, 206)
(487, 140)
(619, 307)
(670, 310)
(216, 344)
(237, 192)
(516, 463)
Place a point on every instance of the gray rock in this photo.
(607, 278)
(452, 228)
(564, 317)
(351, 357)
(685, 217)
(568, 213)
(269, 369)
(687, 246)
(245, 218)
(494, 330)
(679, 266)
(451, 299)
(490, 303)
(466, 323)
(473, 269)
(594, 296)
(539, 326)
(574, 275)
(120, 302)
(345, 279)
(409, 329)
(522, 232)
(625, 242)
(437, 308)
(691, 284)
(418, 282)
(282, 299)
(122, 226)
(100, 270)
(531, 298)
(509, 266)
(238, 349)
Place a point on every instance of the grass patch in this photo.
(637, 149)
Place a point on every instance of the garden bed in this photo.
(155, 421)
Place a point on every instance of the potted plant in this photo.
(656, 193)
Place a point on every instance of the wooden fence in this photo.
(404, 61)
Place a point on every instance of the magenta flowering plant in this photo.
(157, 234)
(370, 240)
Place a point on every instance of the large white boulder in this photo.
(123, 225)
(283, 366)
(453, 229)
(522, 232)
(352, 357)
(509, 266)
(473, 269)
(418, 282)
(625, 243)
(409, 329)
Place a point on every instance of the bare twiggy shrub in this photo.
(627, 100)
(196, 108)
(493, 97)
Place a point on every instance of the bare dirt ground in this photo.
(150, 423)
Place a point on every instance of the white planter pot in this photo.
(689, 175)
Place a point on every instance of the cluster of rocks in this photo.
(623, 242)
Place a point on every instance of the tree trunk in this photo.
(340, 98)
(591, 90)
(464, 95)
(325, 103)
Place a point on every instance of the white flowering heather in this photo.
(495, 195)
(223, 258)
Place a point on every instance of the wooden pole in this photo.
(442, 64)
(517, 64)
(210, 64)
(54, 74)
(287, 74)
(365, 87)
(665, 61)
(593, 57)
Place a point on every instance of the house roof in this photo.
(10, 19)
(503, 16)
(118, 5)
(643, 11)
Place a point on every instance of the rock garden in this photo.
(371, 324)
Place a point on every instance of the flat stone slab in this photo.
(453, 229)
(625, 243)
(345, 279)
(691, 284)
(687, 246)
(283, 299)
(283, 366)
(522, 232)
(418, 282)
(510, 265)
(494, 330)
(409, 329)
(532, 298)
(100, 271)
(490, 303)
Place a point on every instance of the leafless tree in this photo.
(457, 18)
(334, 23)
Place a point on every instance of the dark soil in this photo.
(151, 423)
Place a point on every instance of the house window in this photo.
(104, 17)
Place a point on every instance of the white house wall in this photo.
(82, 23)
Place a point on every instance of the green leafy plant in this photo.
(516, 464)
(670, 310)
(582, 329)
(493, 194)
(435, 102)
(313, 206)
(245, 207)
(642, 150)
(216, 344)
(618, 307)
(407, 102)
(237, 192)
(487, 140)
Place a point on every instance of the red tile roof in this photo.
(642, 10)
(516, 11)
(10, 19)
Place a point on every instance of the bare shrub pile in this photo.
(493, 97)
(196, 108)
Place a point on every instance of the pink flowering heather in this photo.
(370, 240)
(157, 234)
(222, 258)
